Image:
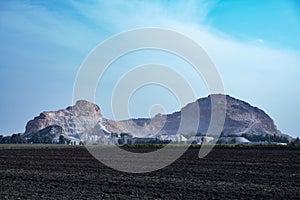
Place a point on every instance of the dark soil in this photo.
(226, 173)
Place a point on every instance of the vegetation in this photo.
(14, 139)
(63, 140)
(296, 142)
(127, 138)
(38, 138)
(124, 137)
(114, 135)
(153, 141)
(267, 138)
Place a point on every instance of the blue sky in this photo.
(254, 44)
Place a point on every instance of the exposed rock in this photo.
(84, 119)
(241, 118)
(77, 119)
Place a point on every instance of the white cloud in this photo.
(251, 70)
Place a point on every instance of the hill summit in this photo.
(84, 121)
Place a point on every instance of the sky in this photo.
(254, 45)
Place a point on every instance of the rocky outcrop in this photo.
(241, 118)
(85, 119)
(77, 119)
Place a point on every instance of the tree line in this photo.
(13, 139)
(35, 139)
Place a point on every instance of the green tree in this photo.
(47, 139)
(125, 135)
(16, 139)
(114, 135)
(194, 142)
(296, 141)
(233, 140)
(6, 140)
(121, 140)
(62, 139)
(35, 139)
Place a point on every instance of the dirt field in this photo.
(226, 173)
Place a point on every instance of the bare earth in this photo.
(51, 172)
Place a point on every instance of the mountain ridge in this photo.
(84, 120)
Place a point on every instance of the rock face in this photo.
(241, 118)
(77, 119)
(85, 118)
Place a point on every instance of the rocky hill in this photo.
(85, 120)
(74, 120)
(241, 118)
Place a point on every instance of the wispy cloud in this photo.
(46, 36)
